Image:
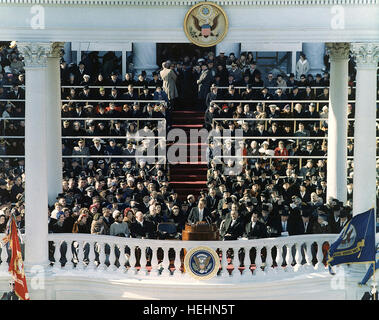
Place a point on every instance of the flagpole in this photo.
(373, 291)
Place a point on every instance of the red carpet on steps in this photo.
(191, 176)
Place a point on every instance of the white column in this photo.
(36, 157)
(293, 62)
(315, 55)
(54, 136)
(366, 57)
(228, 48)
(145, 57)
(123, 67)
(337, 122)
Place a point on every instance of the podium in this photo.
(200, 231)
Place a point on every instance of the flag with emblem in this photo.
(356, 242)
(16, 265)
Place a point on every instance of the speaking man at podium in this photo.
(200, 213)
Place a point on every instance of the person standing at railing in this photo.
(302, 66)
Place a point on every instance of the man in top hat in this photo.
(155, 81)
(113, 79)
(214, 94)
(232, 94)
(204, 83)
(248, 94)
(345, 217)
(321, 225)
(263, 94)
(306, 225)
(85, 94)
(145, 95)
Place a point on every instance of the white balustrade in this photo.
(81, 255)
(320, 257)
(177, 262)
(278, 258)
(143, 261)
(224, 263)
(133, 260)
(122, 259)
(4, 257)
(92, 264)
(298, 257)
(288, 249)
(71, 260)
(246, 274)
(113, 258)
(102, 256)
(269, 260)
(57, 256)
(258, 261)
(166, 262)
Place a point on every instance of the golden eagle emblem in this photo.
(206, 24)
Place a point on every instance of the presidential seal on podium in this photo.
(202, 263)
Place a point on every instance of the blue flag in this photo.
(356, 242)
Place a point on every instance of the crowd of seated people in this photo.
(130, 197)
(12, 105)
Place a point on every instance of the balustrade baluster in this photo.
(246, 263)
(122, 259)
(269, 261)
(92, 264)
(4, 257)
(71, 260)
(320, 256)
(133, 260)
(308, 254)
(143, 261)
(298, 256)
(177, 263)
(102, 256)
(279, 258)
(224, 263)
(288, 257)
(113, 257)
(81, 265)
(258, 260)
(166, 262)
(57, 255)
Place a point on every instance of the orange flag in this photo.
(16, 265)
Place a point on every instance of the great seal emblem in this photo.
(206, 24)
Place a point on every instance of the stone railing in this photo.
(142, 258)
